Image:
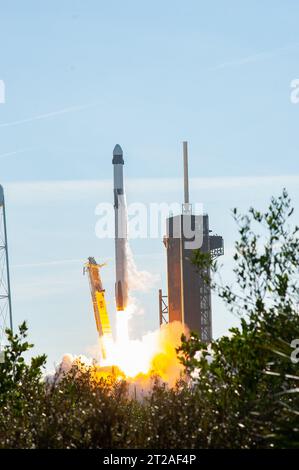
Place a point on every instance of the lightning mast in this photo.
(5, 295)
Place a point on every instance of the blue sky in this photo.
(82, 76)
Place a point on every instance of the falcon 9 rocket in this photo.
(120, 211)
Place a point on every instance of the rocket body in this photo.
(120, 211)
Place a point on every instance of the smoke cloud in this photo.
(139, 280)
(152, 357)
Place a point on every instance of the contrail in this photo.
(56, 262)
(253, 58)
(48, 263)
(16, 152)
(46, 115)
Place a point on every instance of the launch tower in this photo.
(189, 294)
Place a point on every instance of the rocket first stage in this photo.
(120, 211)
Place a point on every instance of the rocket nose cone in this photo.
(117, 151)
(117, 155)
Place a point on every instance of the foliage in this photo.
(14, 372)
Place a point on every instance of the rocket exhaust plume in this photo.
(120, 208)
(135, 361)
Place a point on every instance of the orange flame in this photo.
(135, 361)
(154, 353)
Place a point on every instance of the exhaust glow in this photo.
(154, 353)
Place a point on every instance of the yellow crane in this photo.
(99, 303)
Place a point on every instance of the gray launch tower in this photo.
(189, 294)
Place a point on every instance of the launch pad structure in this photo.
(189, 292)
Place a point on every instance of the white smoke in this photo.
(67, 362)
(153, 357)
(139, 280)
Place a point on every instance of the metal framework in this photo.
(215, 253)
(163, 308)
(5, 294)
(205, 306)
(216, 250)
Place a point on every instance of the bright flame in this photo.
(131, 356)
(133, 360)
(153, 353)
